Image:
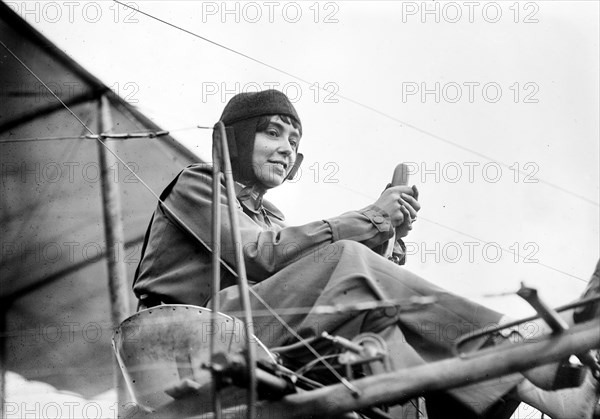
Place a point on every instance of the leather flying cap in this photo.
(252, 104)
(241, 116)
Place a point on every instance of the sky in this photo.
(493, 106)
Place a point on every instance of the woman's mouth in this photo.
(282, 164)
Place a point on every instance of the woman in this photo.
(327, 262)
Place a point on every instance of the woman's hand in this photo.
(402, 205)
(410, 207)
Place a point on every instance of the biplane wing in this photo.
(54, 288)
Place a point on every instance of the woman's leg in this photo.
(580, 402)
(571, 403)
(347, 273)
(547, 376)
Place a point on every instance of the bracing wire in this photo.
(128, 136)
(146, 135)
(92, 133)
(178, 219)
(364, 106)
(504, 249)
(350, 100)
(151, 135)
(401, 122)
(308, 346)
(298, 78)
(29, 139)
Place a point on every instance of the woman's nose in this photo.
(285, 147)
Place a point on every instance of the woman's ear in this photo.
(295, 167)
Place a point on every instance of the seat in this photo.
(160, 347)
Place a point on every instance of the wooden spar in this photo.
(114, 236)
(3, 336)
(455, 372)
(242, 280)
(216, 263)
(400, 386)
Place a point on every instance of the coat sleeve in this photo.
(267, 250)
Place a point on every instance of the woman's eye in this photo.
(272, 133)
(294, 143)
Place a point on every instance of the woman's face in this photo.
(274, 152)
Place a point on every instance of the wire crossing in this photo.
(367, 107)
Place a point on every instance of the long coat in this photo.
(323, 263)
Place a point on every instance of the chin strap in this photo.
(295, 167)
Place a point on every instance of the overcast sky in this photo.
(494, 105)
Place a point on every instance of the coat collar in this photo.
(252, 199)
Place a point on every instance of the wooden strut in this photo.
(222, 149)
(216, 265)
(115, 239)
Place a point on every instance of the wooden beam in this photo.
(403, 385)
(115, 239)
(48, 110)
